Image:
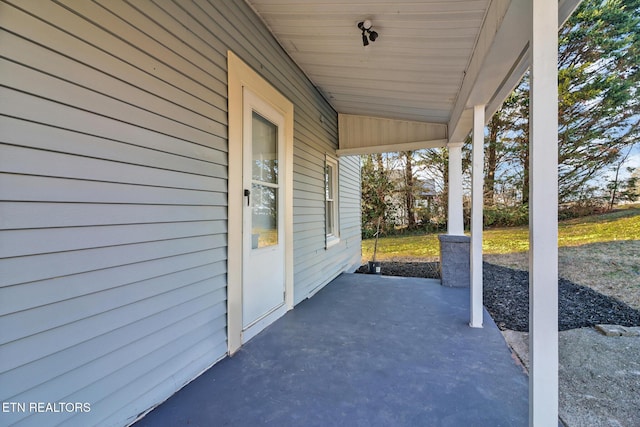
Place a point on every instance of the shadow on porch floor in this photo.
(365, 351)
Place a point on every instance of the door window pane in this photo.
(264, 218)
(264, 188)
(265, 150)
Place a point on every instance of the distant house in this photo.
(423, 193)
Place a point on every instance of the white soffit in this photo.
(363, 135)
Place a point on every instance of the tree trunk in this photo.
(616, 179)
(409, 189)
(489, 178)
(378, 157)
(525, 172)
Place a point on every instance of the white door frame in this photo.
(240, 75)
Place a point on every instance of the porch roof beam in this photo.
(501, 58)
(477, 80)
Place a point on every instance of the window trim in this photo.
(332, 238)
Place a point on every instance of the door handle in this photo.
(247, 194)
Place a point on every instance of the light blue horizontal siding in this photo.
(316, 265)
(113, 204)
(113, 213)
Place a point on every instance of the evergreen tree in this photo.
(598, 106)
(598, 82)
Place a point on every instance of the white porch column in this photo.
(455, 224)
(455, 269)
(477, 200)
(543, 216)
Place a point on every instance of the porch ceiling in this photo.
(432, 62)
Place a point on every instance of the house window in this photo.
(331, 200)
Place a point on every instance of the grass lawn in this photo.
(600, 251)
(614, 226)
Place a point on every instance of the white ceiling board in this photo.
(431, 61)
(413, 71)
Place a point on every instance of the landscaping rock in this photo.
(618, 331)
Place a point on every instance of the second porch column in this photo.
(455, 225)
(477, 200)
(454, 246)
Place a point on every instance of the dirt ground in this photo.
(598, 375)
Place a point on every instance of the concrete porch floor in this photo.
(365, 351)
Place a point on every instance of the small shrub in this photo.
(368, 233)
(506, 216)
(581, 208)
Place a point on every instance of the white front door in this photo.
(263, 240)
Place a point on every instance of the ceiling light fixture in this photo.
(365, 26)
